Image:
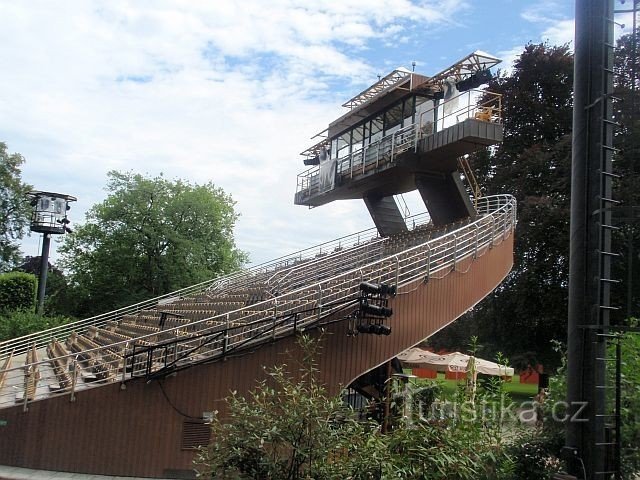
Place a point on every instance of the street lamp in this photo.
(49, 217)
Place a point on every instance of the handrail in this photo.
(387, 145)
(220, 284)
(489, 110)
(279, 276)
(423, 261)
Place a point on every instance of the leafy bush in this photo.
(630, 401)
(293, 430)
(17, 291)
(536, 457)
(19, 323)
(289, 427)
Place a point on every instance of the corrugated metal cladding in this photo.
(139, 430)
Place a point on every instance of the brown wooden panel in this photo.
(137, 431)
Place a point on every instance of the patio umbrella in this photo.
(452, 362)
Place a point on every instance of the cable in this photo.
(178, 411)
(584, 470)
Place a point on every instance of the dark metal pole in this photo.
(632, 153)
(44, 269)
(589, 267)
(618, 451)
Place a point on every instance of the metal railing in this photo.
(262, 272)
(464, 106)
(283, 315)
(376, 154)
(383, 152)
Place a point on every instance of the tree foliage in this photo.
(630, 400)
(150, 236)
(533, 163)
(529, 309)
(288, 427)
(17, 291)
(627, 187)
(23, 322)
(14, 207)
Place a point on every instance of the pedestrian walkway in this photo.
(16, 473)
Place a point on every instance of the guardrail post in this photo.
(320, 302)
(393, 144)
(455, 250)
(275, 315)
(397, 270)
(225, 340)
(426, 278)
(27, 377)
(504, 226)
(493, 230)
(73, 368)
(351, 167)
(124, 365)
(475, 242)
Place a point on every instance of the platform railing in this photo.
(299, 309)
(472, 104)
(376, 154)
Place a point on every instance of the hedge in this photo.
(17, 291)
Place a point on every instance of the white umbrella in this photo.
(452, 362)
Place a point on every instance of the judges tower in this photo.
(405, 132)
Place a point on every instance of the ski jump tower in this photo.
(405, 132)
(130, 392)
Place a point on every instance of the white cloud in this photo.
(222, 91)
(560, 32)
(217, 90)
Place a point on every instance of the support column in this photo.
(44, 269)
(385, 214)
(445, 197)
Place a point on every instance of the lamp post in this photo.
(49, 217)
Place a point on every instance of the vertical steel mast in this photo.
(590, 242)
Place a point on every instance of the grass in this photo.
(519, 392)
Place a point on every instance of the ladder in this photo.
(463, 163)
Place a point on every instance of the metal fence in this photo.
(284, 314)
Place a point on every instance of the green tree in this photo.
(627, 188)
(14, 207)
(17, 291)
(150, 236)
(533, 163)
(288, 427)
(21, 322)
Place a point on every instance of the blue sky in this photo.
(224, 91)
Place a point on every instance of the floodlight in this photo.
(381, 329)
(312, 161)
(382, 289)
(376, 310)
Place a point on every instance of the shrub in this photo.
(536, 457)
(17, 291)
(19, 323)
